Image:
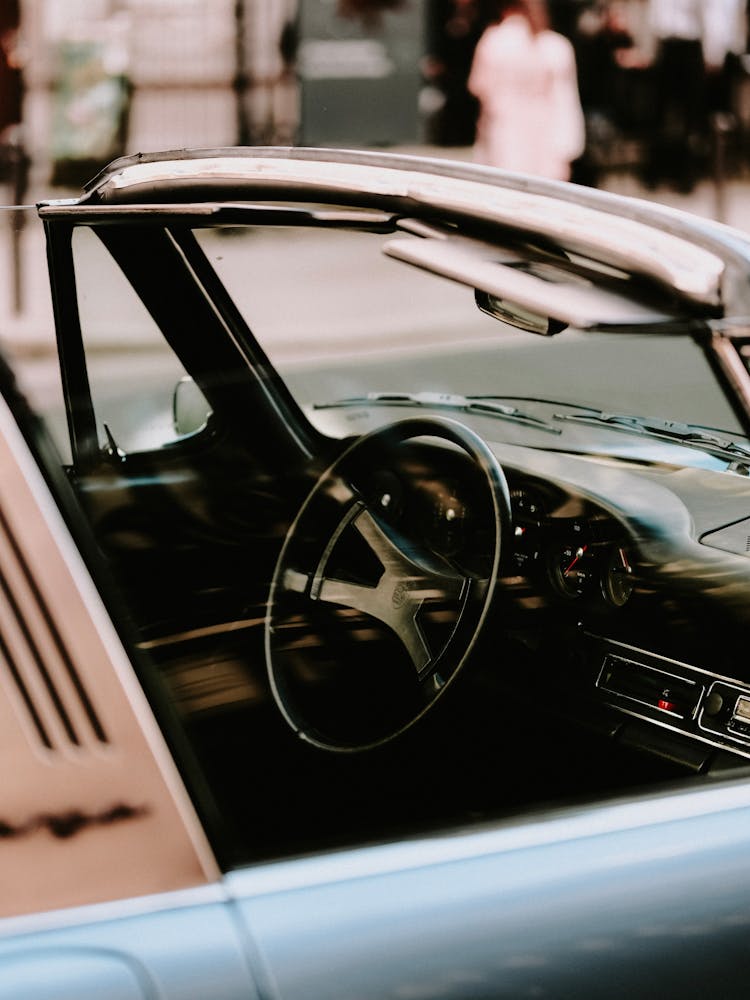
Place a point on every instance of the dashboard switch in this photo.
(665, 703)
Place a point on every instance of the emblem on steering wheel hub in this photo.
(400, 595)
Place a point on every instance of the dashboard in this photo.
(621, 595)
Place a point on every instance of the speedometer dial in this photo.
(617, 579)
(571, 570)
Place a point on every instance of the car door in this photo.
(647, 898)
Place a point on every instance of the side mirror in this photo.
(190, 409)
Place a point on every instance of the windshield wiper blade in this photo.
(443, 400)
(668, 430)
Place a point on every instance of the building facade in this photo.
(103, 77)
(232, 71)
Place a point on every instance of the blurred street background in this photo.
(83, 81)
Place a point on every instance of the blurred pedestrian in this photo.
(14, 162)
(454, 28)
(10, 74)
(724, 44)
(524, 77)
(679, 143)
(602, 33)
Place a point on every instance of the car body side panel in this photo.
(50, 974)
(177, 947)
(580, 907)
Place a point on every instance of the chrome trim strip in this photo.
(71, 210)
(35, 923)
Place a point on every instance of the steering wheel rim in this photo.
(309, 600)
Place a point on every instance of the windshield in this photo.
(343, 321)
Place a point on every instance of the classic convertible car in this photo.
(375, 589)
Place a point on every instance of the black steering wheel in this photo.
(384, 581)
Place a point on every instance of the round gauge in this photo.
(571, 570)
(617, 581)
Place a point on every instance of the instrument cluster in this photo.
(568, 549)
(572, 555)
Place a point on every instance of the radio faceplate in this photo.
(654, 690)
(678, 696)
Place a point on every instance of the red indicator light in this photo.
(665, 704)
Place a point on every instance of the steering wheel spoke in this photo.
(403, 589)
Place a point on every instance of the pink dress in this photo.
(530, 113)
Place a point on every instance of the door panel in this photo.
(641, 899)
